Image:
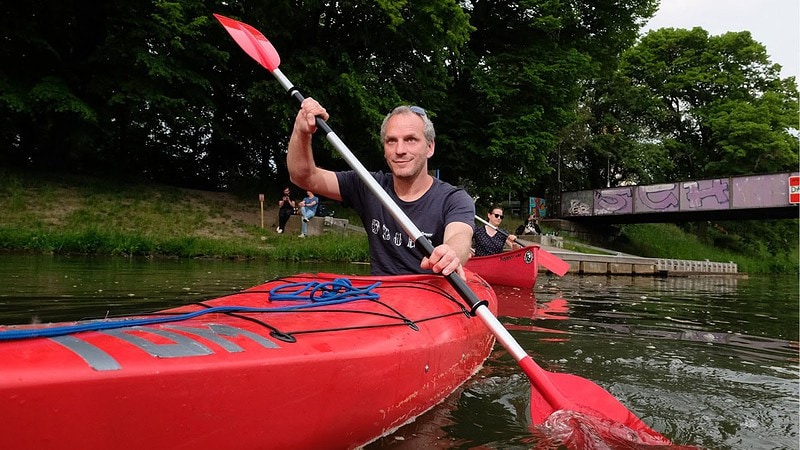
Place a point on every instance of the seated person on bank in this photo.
(489, 240)
(530, 227)
(308, 209)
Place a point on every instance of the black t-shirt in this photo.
(286, 206)
(392, 251)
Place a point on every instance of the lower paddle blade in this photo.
(573, 430)
(554, 393)
(252, 42)
(553, 263)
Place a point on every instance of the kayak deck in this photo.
(245, 371)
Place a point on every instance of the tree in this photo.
(714, 104)
(48, 120)
(518, 85)
(156, 89)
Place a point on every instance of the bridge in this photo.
(769, 196)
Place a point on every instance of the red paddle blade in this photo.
(252, 42)
(559, 392)
(574, 430)
(553, 263)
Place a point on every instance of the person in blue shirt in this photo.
(442, 212)
(308, 209)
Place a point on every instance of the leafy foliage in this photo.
(514, 96)
(530, 97)
(714, 104)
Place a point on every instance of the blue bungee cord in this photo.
(328, 292)
(333, 292)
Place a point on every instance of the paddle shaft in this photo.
(259, 48)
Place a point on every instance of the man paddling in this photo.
(442, 212)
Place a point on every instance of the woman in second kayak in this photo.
(489, 240)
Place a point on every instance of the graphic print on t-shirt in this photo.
(386, 234)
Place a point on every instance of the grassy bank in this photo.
(59, 214)
(76, 215)
(664, 240)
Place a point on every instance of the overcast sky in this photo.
(774, 23)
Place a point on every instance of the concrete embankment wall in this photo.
(320, 225)
(590, 264)
(623, 264)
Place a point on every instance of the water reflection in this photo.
(705, 361)
(46, 289)
(700, 348)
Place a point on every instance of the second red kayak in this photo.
(516, 268)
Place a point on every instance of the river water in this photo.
(709, 362)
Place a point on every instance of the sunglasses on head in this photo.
(498, 216)
(418, 110)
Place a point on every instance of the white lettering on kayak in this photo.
(96, 358)
(180, 346)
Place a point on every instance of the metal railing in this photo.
(689, 266)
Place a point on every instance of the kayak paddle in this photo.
(551, 392)
(547, 260)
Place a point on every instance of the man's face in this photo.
(404, 147)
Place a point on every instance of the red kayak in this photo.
(308, 361)
(516, 268)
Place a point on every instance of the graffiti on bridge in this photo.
(759, 191)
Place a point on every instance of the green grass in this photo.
(663, 240)
(48, 214)
(102, 241)
(577, 247)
